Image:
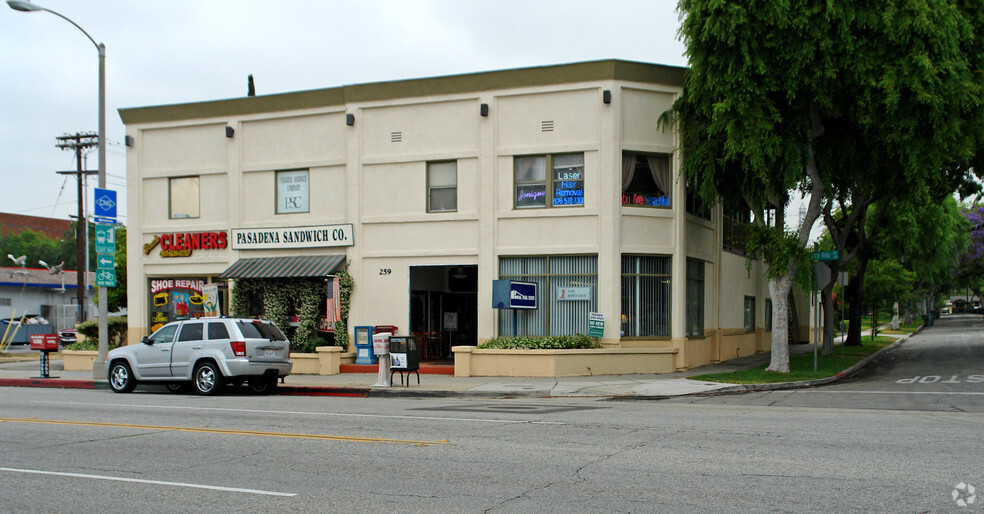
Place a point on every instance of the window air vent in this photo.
(546, 126)
(396, 137)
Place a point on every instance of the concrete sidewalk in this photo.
(27, 374)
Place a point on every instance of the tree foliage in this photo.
(848, 102)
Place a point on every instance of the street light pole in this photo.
(25, 6)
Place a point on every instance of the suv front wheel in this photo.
(208, 379)
(121, 378)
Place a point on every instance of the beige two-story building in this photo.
(428, 190)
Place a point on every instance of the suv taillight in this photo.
(238, 348)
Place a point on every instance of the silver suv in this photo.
(205, 353)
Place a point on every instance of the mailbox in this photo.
(44, 342)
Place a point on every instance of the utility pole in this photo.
(78, 142)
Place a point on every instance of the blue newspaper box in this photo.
(363, 346)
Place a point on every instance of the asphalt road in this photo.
(93, 450)
(941, 368)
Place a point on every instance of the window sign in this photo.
(292, 191)
(174, 299)
(531, 187)
(568, 177)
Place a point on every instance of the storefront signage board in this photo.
(317, 236)
(570, 294)
(596, 324)
(105, 239)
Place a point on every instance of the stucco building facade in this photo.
(427, 190)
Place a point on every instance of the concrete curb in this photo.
(410, 392)
(847, 373)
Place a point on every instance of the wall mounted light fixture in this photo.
(128, 140)
(230, 131)
(484, 109)
(606, 96)
(350, 119)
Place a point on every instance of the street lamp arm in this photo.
(23, 6)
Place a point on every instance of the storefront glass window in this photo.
(178, 298)
(646, 296)
(566, 289)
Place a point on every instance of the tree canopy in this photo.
(845, 101)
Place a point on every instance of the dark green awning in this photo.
(284, 267)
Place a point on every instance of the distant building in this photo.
(15, 223)
(38, 293)
(33, 293)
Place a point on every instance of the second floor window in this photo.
(293, 191)
(646, 180)
(564, 187)
(184, 194)
(442, 186)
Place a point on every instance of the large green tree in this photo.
(815, 96)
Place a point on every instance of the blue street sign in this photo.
(105, 206)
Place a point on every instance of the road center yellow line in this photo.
(224, 431)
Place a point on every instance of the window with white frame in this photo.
(184, 197)
(564, 187)
(749, 314)
(646, 296)
(646, 180)
(442, 186)
(566, 293)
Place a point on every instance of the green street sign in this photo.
(826, 255)
(106, 278)
(105, 239)
(105, 261)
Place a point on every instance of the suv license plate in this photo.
(268, 353)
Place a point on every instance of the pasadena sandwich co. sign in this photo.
(318, 236)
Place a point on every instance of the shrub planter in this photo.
(78, 360)
(329, 360)
(305, 364)
(470, 361)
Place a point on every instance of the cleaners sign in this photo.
(319, 236)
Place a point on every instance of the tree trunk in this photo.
(827, 299)
(856, 306)
(779, 288)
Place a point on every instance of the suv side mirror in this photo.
(146, 340)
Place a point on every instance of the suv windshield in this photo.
(252, 329)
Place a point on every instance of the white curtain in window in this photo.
(659, 166)
(628, 169)
(530, 169)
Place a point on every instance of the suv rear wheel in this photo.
(208, 379)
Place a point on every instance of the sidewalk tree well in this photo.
(839, 100)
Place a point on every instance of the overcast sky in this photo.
(175, 51)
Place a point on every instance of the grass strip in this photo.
(801, 366)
